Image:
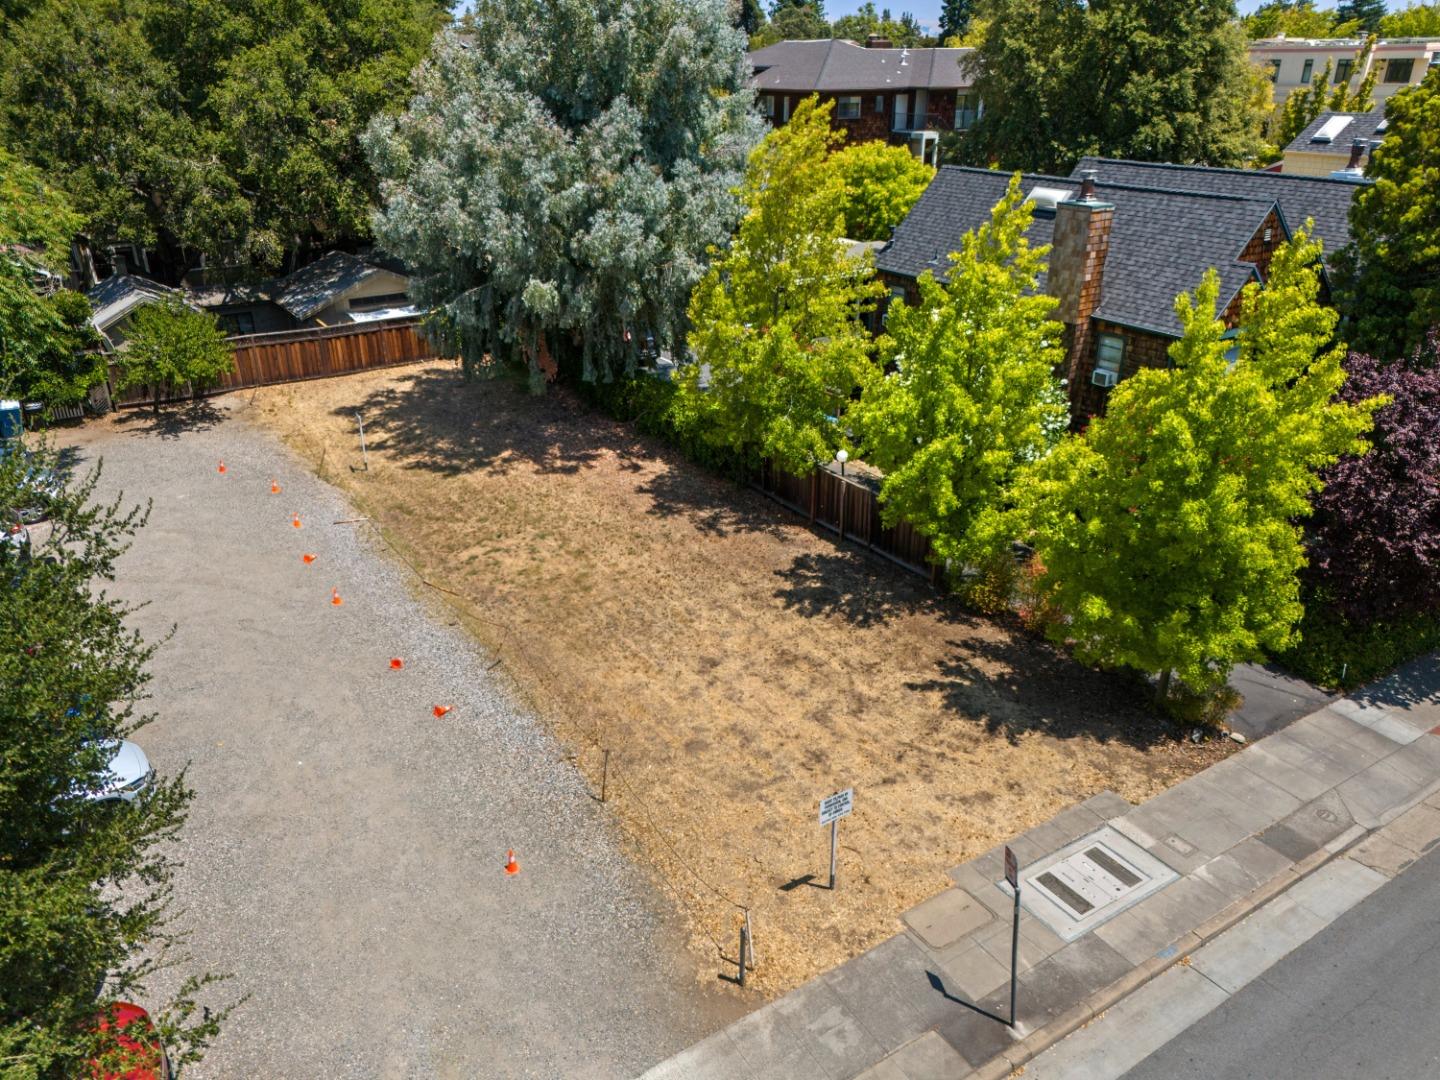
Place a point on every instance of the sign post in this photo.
(831, 811)
(1012, 875)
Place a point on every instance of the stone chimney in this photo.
(1077, 267)
(876, 41)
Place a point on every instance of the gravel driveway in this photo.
(344, 855)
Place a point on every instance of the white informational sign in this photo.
(837, 806)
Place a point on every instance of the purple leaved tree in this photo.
(1375, 534)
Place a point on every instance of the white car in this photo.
(129, 773)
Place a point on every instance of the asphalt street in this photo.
(1358, 1001)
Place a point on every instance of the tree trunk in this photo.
(1162, 691)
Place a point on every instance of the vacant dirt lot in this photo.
(737, 666)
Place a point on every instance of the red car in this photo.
(135, 1051)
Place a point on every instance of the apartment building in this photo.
(1294, 62)
(904, 96)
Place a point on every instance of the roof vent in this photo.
(1046, 198)
(1331, 129)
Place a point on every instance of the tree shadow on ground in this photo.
(172, 421)
(440, 423)
(848, 584)
(443, 424)
(1415, 683)
(714, 505)
(1016, 685)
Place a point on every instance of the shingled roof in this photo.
(1161, 241)
(839, 66)
(1367, 126)
(313, 288)
(1300, 197)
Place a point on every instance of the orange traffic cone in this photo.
(307, 558)
(396, 663)
(511, 866)
(221, 468)
(335, 597)
(296, 522)
(274, 486)
(441, 710)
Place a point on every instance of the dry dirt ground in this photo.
(737, 666)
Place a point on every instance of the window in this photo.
(238, 322)
(767, 106)
(378, 303)
(1109, 353)
(1274, 70)
(1343, 70)
(847, 108)
(879, 104)
(1307, 71)
(967, 111)
(1399, 70)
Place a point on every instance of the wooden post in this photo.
(843, 486)
(814, 490)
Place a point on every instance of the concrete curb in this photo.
(1012, 1061)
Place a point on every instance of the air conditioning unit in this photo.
(1105, 378)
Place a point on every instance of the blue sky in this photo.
(928, 11)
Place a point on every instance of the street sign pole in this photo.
(831, 811)
(834, 834)
(1012, 875)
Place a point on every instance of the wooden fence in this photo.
(294, 355)
(849, 507)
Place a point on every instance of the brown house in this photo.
(904, 96)
(1126, 238)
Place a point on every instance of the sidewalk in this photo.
(1113, 895)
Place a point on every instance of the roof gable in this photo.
(1326, 201)
(839, 66)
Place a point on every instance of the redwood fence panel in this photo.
(849, 506)
(296, 355)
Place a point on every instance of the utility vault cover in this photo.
(1089, 882)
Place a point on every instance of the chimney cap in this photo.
(1087, 185)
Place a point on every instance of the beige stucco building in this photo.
(1294, 62)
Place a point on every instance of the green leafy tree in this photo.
(34, 214)
(776, 319)
(228, 128)
(1366, 13)
(1417, 20)
(561, 173)
(904, 32)
(881, 184)
(1167, 81)
(171, 345)
(45, 334)
(748, 16)
(955, 18)
(792, 22)
(971, 396)
(1389, 277)
(1297, 19)
(1169, 531)
(83, 884)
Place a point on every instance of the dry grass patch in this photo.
(738, 666)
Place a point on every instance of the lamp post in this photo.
(842, 456)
